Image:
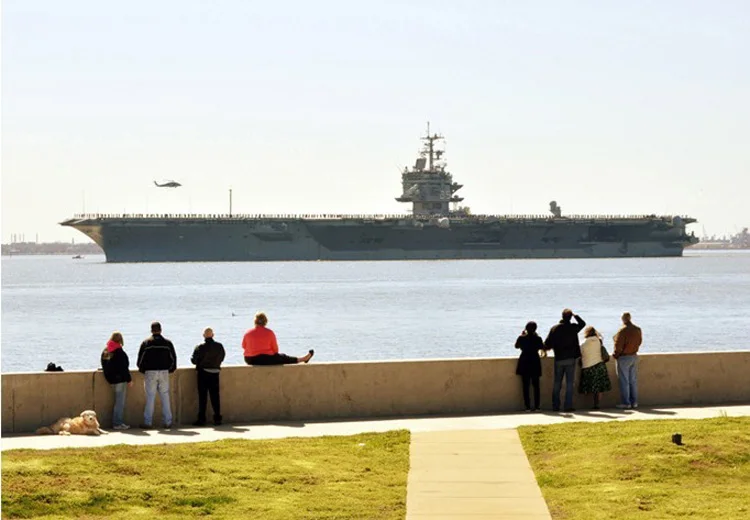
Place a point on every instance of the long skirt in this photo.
(595, 379)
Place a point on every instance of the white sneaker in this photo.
(623, 406)
(635, 405)
(122, 426)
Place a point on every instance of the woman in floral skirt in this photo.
(594, 376)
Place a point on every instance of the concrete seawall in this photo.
(365, 390)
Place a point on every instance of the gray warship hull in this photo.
(225, 238)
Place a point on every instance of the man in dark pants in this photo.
(207, 358)
(563, 340)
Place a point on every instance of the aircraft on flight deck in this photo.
(169, 184)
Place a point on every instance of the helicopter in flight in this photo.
(168, 184)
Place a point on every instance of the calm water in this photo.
(63, 310)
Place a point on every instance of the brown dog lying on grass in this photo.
(84, 424)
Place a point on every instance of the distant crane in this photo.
(168, 184)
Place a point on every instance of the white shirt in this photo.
(591, 352)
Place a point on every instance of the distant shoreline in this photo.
(50, 248)
(63, 249)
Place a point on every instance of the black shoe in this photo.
(145, 426)
(167, 426)
(199, 423)
(570, 410)
(555, 409)
(217, 422)
(312, 353)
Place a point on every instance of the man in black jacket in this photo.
(156, 360)
(563, 340)
(207, 358)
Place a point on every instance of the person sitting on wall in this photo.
(529, 365)
(260, 346)
(207, 358)
(594, 376)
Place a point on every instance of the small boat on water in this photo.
(77, 257)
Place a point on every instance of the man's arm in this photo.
(580, 324)
(222, 354)
(549, 342)
(195, 358)
(173, 355)
(141, 354)
(619, 340)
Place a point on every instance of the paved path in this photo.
(315, 429)
(461, 467)
(472, 474)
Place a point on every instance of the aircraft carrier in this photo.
(431, 231)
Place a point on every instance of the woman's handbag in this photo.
(605, 354)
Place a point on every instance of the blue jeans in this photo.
(119, 411)
(567, 368)
(627, 374)
(157, 381)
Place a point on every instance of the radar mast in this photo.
(428, 186)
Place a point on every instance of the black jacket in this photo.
(157, 353)
(116, 366)
(208, 355)
(563, 339)
(529, 363)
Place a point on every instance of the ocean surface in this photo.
(56, 309)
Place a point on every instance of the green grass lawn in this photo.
(358, 477)
(631, 469)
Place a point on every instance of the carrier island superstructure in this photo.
(432, 230)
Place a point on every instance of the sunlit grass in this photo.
(360, 476)
(631, 469)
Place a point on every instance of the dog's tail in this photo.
(45, 430)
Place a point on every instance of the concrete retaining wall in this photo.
(368, 389)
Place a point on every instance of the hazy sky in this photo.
(604, 106)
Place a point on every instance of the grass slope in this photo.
(631, 469)
(361, 476)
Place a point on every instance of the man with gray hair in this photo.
(627, 342)
(207, 358)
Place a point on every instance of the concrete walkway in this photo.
(315, 429)
(476, 474)
(461, 467)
